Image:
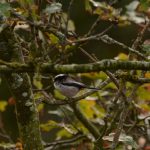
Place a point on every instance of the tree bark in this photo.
(21, 88)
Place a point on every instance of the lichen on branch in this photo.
(106, 64)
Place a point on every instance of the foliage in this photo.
(3, 105)
(46, 33)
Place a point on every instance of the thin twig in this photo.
(139, 40)
(108, 40)
(115, 81)
(65, 144)
(102, 33)
(39, 90)
(67, 141)
(94, 59)
(133, 78)
(87, 54)
(93, 27)
(119, 127)
(122, 117)
(68, 15)
(113, 78)
(97, 22)
(109, 74)
(90, 126)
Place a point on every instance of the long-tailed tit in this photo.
(68, 86)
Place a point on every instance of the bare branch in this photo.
(58, 144)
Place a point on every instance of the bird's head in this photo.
(60, 77)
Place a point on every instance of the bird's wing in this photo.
(76, 84)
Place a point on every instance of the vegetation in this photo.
(39, 39)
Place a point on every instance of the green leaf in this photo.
(111, 86)
(88, 6)
(81, 127)
(4, 9)
(146, 47)
(54, 39)
(26, 2)
(87, 107)
(143, 92)
(29, 1)
(38, 95)
(93, 75)
(108, 13)
(53, 8)
(37, 81)
(58, 94)
(128, 140)
(49, 125)
(63, 133)
(40, 107)
(144, 5)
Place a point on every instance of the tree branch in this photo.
(133, 78)
(106, 64)
(108, 40)
(60, 143)
(90, 126)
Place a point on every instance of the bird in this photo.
(68, 86)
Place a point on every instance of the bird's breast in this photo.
(69, 91)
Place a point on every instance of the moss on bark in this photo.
(20, 86)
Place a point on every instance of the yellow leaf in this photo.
(58, 94)
(147, 75)
(143, 92)
(37, 81)
(63, 133)
(88, 7)
(3, 105)
(48, 125)
(145, 107)
(54, 39)
(40, 107)
(38, 95)
(95, 76)
(87, 107)
(122, 56)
